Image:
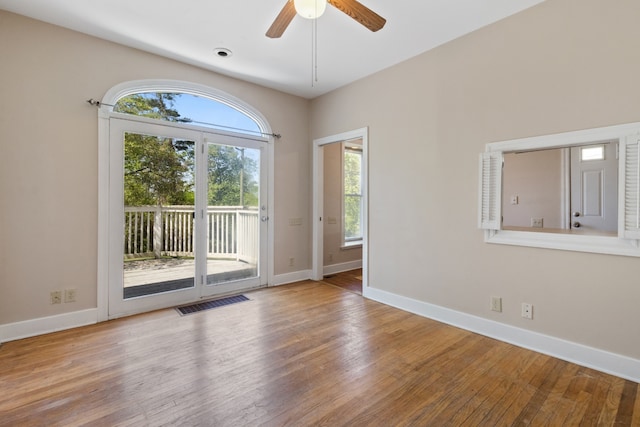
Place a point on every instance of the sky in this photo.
(214, 114)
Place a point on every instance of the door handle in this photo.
(576, 224)
(576, 214)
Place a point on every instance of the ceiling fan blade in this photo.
(360, 13)
(282, 21)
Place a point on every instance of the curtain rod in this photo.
(99, 104)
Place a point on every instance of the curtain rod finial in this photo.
(93, 102)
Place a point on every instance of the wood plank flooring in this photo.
(349, 280)
(305, 354)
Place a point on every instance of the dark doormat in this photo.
(206, 305)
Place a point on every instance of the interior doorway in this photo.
(326, 263)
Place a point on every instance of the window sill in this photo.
(351, 245)
(578, 232)
(569, 242)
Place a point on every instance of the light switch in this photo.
(514, 200)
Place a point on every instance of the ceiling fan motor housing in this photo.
(310, 9)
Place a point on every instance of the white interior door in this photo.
(188, 215)
(594, 188)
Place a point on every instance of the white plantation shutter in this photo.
(629, 198)
(490, 190)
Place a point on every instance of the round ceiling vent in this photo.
(223, 52)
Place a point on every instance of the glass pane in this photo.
(158, 215)
(187, 108)
(592, 153)
(352, 217)
(232, 213)
(352, 172)
(352, 165)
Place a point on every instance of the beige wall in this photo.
(562, 65)
(332, 242)
(49, 159)
(535, 177)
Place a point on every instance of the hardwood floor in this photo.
(302, 354)
(349, 280)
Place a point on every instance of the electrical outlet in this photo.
(496, 304)
(527, 310)
(537, 222)
(69, 295)
(291, 261)
(56, 297)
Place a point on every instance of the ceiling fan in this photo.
(312, 9)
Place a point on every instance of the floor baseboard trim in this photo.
(59, 322)
(296, 276)
(45, 325)
(339, 268)
(600, 360)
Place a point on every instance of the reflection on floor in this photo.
(348, 280)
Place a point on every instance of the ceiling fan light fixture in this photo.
(310, 9)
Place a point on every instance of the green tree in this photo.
(157, 170)
(153, 105)
(229, 170)
(352, 194)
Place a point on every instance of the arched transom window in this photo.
(187, 108)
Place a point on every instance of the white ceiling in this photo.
(190, 30)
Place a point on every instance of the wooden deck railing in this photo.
(232, 232)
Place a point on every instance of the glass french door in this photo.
(235, 214)
(187, 215)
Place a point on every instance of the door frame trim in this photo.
(318, 202)
(565, 187)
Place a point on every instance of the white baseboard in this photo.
(296, 276)
(45, 325)
(339, 268)
(610, 363)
